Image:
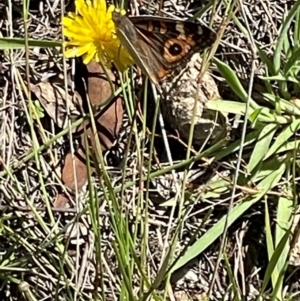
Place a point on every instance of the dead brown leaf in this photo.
(108, 124)
(55, 101)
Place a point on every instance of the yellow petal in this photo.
(71, 52)
(88, 57)
(101, 4)
(81, 6)
(91, 33)
(66, 21)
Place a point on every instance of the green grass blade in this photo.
(269, 237)
(227, 106)
(293, 60)
(262, 145)
(284, 220)
(273, 261)
(235, 146)
(283, 137)
(234, 82)
(211, 235)
(268, 62)
(297, 31)
(282, 36)
(14, 43)
(285, 106)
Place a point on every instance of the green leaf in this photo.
(215, 232)
(234, 82)
(254, 116)
(282, 36)
(273, 261)
(285, 106)
(266, 168)
(12, 43)
(292, 145)
(283, 226)
(234, 107)
(214, 189)
(227, 106)
(235, 146)
(281, 78)
(287, 47)
(265, 115)
(269, 237)
(297, 31)
(266, 60)
(278, 252)
(38, 109)
(283, 137)
(293, 60)
(262, 145)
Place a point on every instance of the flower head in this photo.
(91, 33)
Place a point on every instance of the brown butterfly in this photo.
(160, 45)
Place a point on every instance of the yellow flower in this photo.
(91, 33)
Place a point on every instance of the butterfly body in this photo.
(159, 45)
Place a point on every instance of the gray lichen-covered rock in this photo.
(179, 99)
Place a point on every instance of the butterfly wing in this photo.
(160, 45)
(134, 42)
(172, 42)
